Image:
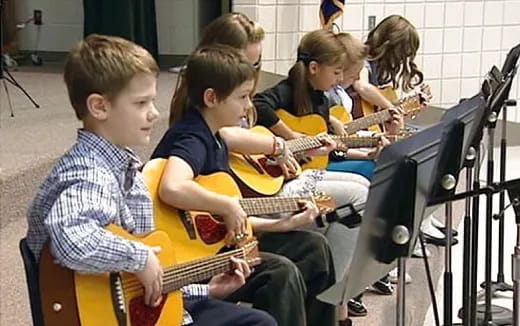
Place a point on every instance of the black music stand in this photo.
(5, 75)
(398, 195)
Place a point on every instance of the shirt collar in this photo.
(117, 158)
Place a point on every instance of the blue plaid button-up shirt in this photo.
(93, 185)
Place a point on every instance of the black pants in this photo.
(220, 313)
(277, 287)
(311, 253)
(288, 280)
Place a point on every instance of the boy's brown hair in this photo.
(104, 65)
(355, 50)
(220, 67)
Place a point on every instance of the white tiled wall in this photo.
(460, 40)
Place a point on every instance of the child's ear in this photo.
(210, 97)
(314, 67)
(97, 106)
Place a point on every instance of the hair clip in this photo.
(304, 57)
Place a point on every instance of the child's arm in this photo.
(178, 189)
(244, 141)
(337, 126)
(77, 236)
(287, 223)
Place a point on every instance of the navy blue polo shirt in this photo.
(191, 139)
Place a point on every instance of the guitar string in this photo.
(179, 272)
(170, 276)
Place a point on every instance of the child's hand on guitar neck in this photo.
(234, 217)
(328, 146)
(396, 122)
(285, 159)
(374, 154)
(338, 127)
(151, 277)
(222, 285)
(305, 217)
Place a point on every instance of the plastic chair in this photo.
(33, 287)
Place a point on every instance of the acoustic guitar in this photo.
(199, 234)
(116, 299)
(257, 175)
(421, 94)
(314, 124)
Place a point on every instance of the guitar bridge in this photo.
(118, 298)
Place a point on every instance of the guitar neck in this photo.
(306, 143)
(271, 205)
(368, 121)
(177, 276)
(357, 142)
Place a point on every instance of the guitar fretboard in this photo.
(177, 276)
(306, 143)
(271, 205)
(368, 121)
(408, 104)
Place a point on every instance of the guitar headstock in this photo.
(325, 203)
(249, 249)
(425, 93)
(413, 104)
(403, 134)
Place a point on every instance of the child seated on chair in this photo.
(218, 82)
(111, 84)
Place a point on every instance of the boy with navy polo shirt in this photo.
(219, 80)
(111, 84)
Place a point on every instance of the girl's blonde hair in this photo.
(393, 44)
(233, 29)
(321, 46)
(355, 50)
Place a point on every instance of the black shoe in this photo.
(437, 241)
(346, 322)
(383, 286)
(356, 308)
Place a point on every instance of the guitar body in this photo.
(195, 234)
(340, 113)
(311, 125)
(70, 298)
(255, 177)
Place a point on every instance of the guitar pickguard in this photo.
(143, 315)
(210, 231)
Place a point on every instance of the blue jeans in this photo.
(362, 167)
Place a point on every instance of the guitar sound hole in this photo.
(273, 170)
(210, 231)
(143, 315)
